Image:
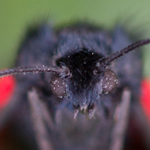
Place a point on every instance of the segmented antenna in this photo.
(120, 53)
(31, 69)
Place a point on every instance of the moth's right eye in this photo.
(109, 81)
(58, 86)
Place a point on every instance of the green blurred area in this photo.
(16, 15)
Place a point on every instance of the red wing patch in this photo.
(145, 97)
(7, 86)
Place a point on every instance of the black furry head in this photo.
(86, 80)
(81, 75)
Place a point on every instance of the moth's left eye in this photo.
(58, 86)
(109, 81)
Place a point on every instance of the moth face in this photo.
(84, 90)
(85, 83)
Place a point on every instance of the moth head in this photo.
(103, 80)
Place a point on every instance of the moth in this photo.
(77, 88)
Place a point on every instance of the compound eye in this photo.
(109, 81)
(58, 86)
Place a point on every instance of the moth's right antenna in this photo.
(120, 53)
(32, 69)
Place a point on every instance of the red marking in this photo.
(145, 97)
(7, 86)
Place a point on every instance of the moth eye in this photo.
(58, 86)
(109, 81)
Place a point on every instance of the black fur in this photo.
(78, 47)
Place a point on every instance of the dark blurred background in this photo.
(16, 15)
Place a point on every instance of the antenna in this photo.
(32, 69)
(120, 53)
